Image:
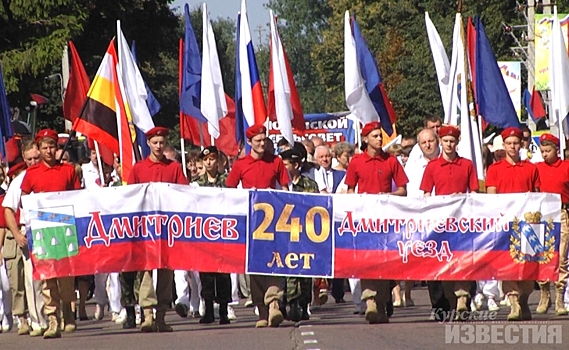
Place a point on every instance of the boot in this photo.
(515, 309)
(68, 318)
(130, 318)
(161, 325)
(148, 325)
(263, 316)
(53, 328)
(372, 314)
(304, 315)
(545, 300)
(208, 317)
(275, 314)
(223, 319)
(461, 304)
(560, 309)
(24, 326)
(294, 312)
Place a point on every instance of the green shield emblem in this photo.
(54, 234)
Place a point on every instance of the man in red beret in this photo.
(261, 170)
(374, 172)
(513, 175)
(554, 176)
(51, 176)
(155, 168)
(451, 174)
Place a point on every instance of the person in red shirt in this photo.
(374, 172)
(554, 176)
(261, 170)
(513, 175)
(451, 174)
(51, 176)
(155, 168)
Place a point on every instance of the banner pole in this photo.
(183, 150)
(101, 175)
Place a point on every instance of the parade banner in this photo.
(542, 40)
(149, 226)
(331, 127)
(512, 74)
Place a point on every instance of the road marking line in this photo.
(306, 325)
(306, 333)
(311, 341)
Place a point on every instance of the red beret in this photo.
(449, 130)
(156, 131)
(15, 169)
(369, 127)
(51, 134)
(512, 131)
(255, 130)
(550, 138)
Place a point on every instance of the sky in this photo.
(258, 15)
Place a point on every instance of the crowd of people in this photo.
(426, 165)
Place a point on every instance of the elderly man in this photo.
(328, 179)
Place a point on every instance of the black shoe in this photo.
(130, 322)
(340, 301)
(223, 319)
(182, 310)
(304, 315)
(294, 312)
(389, 308)
(208, 317)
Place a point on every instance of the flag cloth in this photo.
(298, 122)
(280, 104)
(357, 98)
(191, 73)
(373, 81)
(39, 99)
(213, 104)
(6, 131)
(239, 119)
(559, 78)
(440, 57)
(249, 95)
(536, 104)
(153, 107)
(103, 117)
(492, 96)
(77, 87)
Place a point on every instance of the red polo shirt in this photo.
(165, 170)
(258, 173)
(447, 177)
(555, 178)
(513, 178)
(375, 174)
(43, 178)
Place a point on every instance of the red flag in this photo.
(39, 99)
(107, 156)
(77, 86)
(536, 104)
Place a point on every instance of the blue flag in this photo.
(527, 102)
(153, 108)
(373, 82)
(191, 74)
(494, 102)
(6, 131)
(239, 116)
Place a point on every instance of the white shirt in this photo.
(414, 172)
(14, 195)
(90, 175)
(324, 179)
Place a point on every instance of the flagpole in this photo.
(183, 150)
(101, 175)
(201, 134)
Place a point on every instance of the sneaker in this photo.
(99, 312)
(249, 303)
(397, 303)
(120, 318)
(479, 301)
(256, 311)
(138, 314)
(231, 313)
(492, 306)
(201, 307)
(234, 303)
(505, 302)
(7, 323)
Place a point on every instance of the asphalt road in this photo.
(331, 327)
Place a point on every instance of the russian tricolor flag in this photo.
(249, 100)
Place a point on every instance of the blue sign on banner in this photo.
(289, 235)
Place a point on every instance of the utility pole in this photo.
(530, 65)
(260, 30)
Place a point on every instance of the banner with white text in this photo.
(149, 226)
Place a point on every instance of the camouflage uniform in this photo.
(299, 287)
(215, 286)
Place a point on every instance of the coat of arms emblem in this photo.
(531, 239)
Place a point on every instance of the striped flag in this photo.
(442, 65)
(249, 98)
(103, 117)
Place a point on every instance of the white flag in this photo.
(213, 103)
(452, 104)
(132, 84)
(357, 98)
(283, 106)
(559, 77)
(442, 65)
